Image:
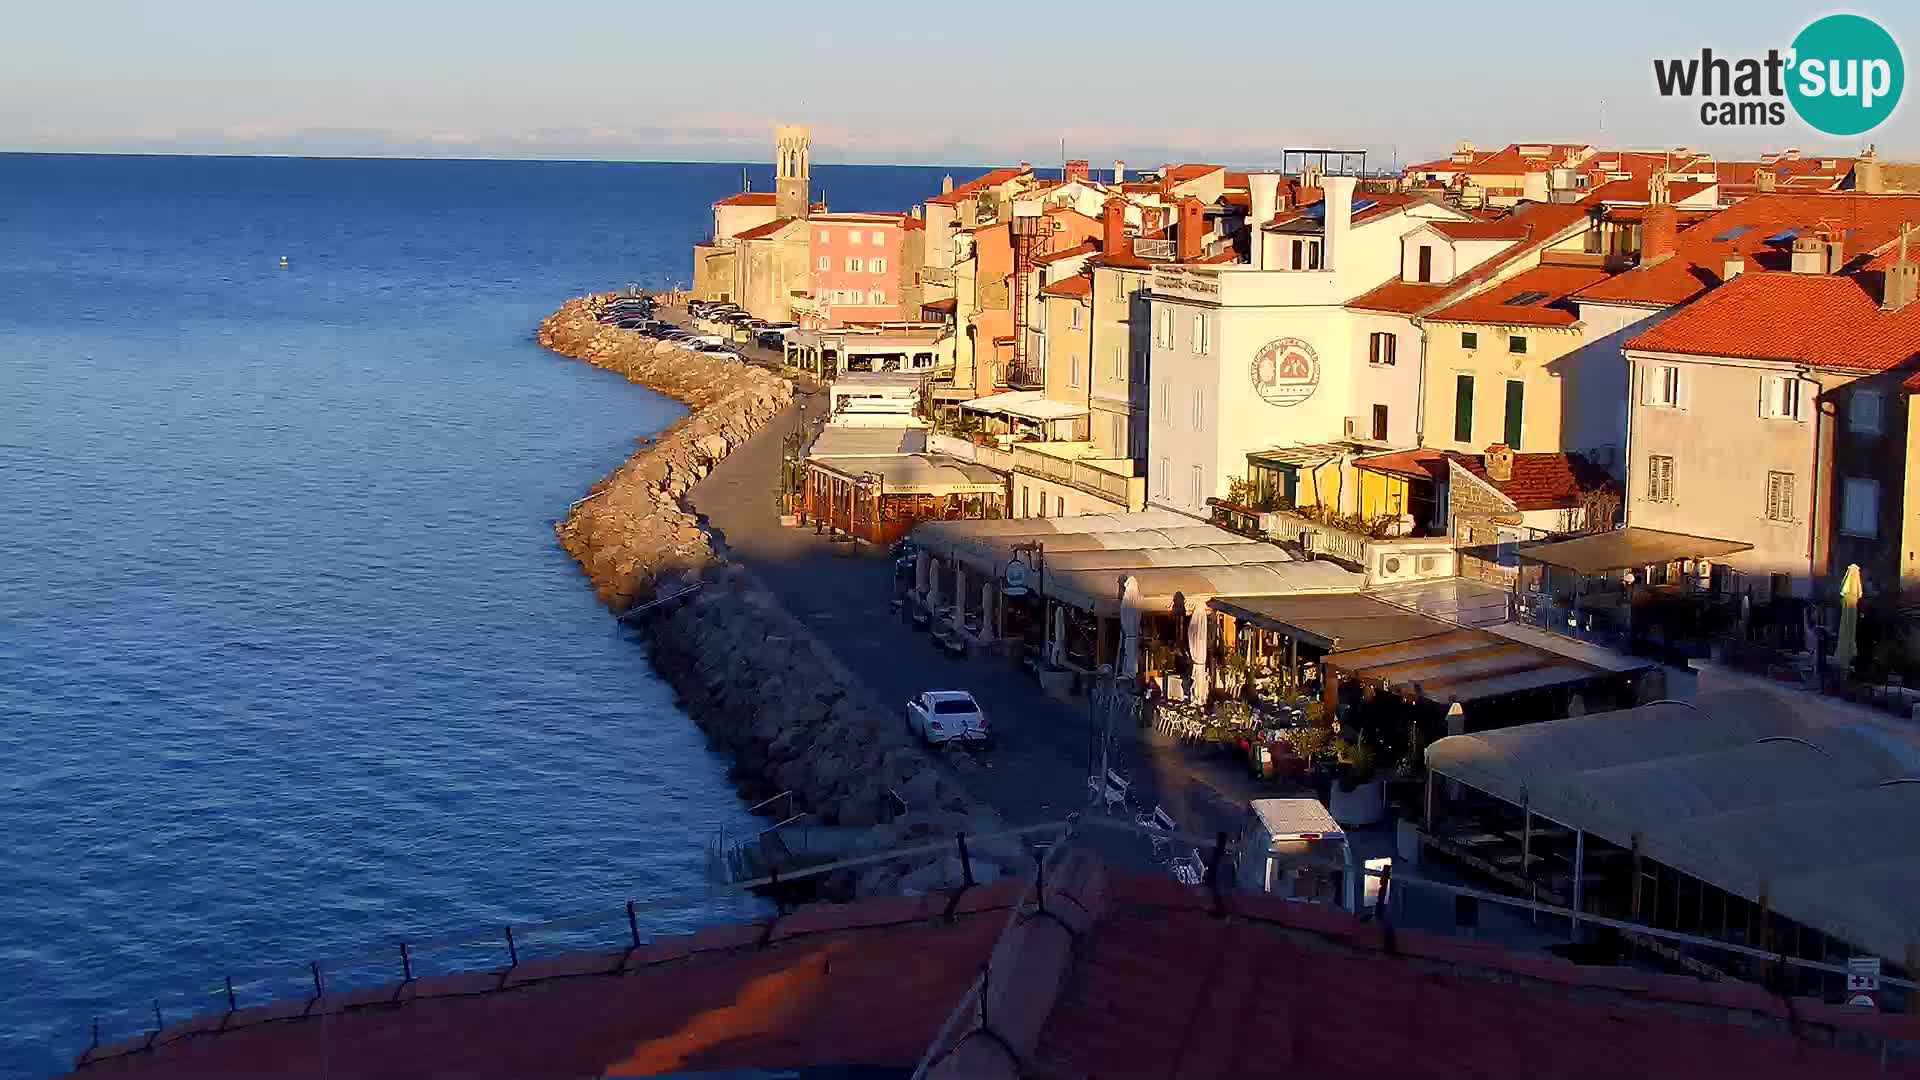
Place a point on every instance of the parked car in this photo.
(944, 716)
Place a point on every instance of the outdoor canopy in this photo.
(1738, 790)
(1098, 591)
(1625, 549)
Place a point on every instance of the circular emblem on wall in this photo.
(1285, 372)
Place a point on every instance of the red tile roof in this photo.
(1083, 248)
(1180, 174)
(1827, 321)
(759, 232)
(971, 187)
(1541, 481)
(1163, 988)
(1153, 982)
(1491, 305)
(946, 306)
(747, 198)
(1547, 221)
(1749, 229)
(1507, 228)
(1077, 287)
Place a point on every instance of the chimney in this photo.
(1119, 171)
(1732, 268)
(1189, 231)
(1809, 255)
(1077, 170)
(1113, 227)
(1499, 462)
(1902, 281)
(1660, 232)
(1764, 179)
(1263, 195)
(1338, 200)
(1869, 175)
(916, 211)
(1792, 154)
(946, 185)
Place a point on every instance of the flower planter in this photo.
(1364, 805)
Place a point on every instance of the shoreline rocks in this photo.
(754, 677)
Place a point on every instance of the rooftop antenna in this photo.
(746, 179)
(1603, 116)
(1063, 158)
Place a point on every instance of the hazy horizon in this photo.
(601, 82)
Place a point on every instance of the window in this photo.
(1779, 496)
(1166, 471)
(1780, 397)
(1299, 255)
(824, 235)
(853, 237)
(1119, 288)
(853, 266)
(1059, 506)
(1166, 328)
(877, 266)
(1662, 386)
(1516, 408)
(1073, 320)
(1517, 345)
(1043, 504)
(1381, 348)
(1119, 363)
(1469, 339)
(1193, 496)
(877, 239)
(1166, 402)
(1380, 423)
(877, 298)
(1118, 445)
(1863, 412)
(1026, 501)
(1199, 409)
(1137, 374)
(1860, 507)
(1463, 408)
(1313, 254)
(826, 262)
(1073, 371)
(1426, 263)
(1660, 479)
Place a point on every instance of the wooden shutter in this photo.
(1516, 408)
(1463, 409)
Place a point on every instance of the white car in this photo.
(944, 716)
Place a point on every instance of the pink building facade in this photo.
(857, 265)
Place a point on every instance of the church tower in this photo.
(793, 152)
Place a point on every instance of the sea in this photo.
(291, 666)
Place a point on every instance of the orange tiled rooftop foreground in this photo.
(1156, 980)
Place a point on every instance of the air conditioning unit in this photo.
(1359, 427)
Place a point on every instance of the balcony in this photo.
(936, 275)
(1028, 374)
(1111, 479)
(1153, 249)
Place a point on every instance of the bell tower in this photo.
(793, 152)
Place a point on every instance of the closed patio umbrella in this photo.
(1851, 589)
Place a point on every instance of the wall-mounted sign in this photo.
(1285, 372)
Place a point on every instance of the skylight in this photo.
(1785, 236)
(1531, 296)
(1734, 233)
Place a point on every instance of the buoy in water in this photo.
(283, 262)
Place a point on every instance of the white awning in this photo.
(1045, 409)
(1740, 790)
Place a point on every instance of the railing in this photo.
(603, 942)
(1317, 538)
(936, 275)
(1026, 375)
(1153, 249)
(1121, 488)
(967, 450)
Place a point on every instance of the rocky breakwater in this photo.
(754, 677)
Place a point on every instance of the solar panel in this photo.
(1531, 296)
(1734, 233)
(1784, 236)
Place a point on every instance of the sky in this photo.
(979, 82)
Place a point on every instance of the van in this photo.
(1294, 848)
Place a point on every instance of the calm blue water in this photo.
(290, 663)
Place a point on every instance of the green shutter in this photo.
(1516, 405)
(1463, 409)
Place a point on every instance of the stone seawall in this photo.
(755, 678)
